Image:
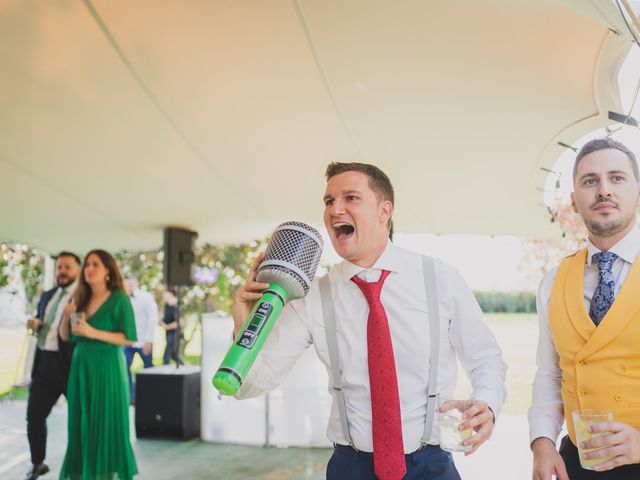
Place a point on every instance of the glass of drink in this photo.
(582, 420)
(451, 437)
(77, 317)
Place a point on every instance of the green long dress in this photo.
(98, 397)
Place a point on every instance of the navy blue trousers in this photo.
(427, 463)
(49, 381)
(147, 361)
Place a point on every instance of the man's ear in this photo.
(573, 202)
(386, 210)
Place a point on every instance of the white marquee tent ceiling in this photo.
(118, 118)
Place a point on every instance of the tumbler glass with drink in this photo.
(77, 317)
(451, 437)
(582, 420)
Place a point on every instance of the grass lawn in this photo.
(517, 334)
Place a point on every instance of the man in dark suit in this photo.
(52, 361)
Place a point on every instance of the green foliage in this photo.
(232, 263)
(32, 272)
(146, 266)
(506, 302)
(20, 264)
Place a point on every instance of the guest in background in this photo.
(170, 324)
(98, 420)
(145, 311)
(53, 358)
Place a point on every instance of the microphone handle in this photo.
(250, 339)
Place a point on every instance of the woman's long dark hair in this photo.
(83, 292)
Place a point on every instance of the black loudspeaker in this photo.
(168, 402)
(178, 256)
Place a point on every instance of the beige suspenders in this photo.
(434, 333)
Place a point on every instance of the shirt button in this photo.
(581, 392)
(618, 398)
(581, 363)
(623, 368)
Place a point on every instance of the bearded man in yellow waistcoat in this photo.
(589, 312)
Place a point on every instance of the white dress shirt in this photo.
(51, 342)
(546, 414)
(463, 331)
(145, 311)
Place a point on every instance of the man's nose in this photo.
(604, 189)
(337, 207)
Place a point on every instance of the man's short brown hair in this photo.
(378, 180)
(75, 257)
(598, 144)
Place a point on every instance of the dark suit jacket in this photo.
(65, 349)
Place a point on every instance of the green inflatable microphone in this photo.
(289, 266)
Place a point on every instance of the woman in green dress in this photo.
(98, 396)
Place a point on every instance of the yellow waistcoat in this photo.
(600, 366)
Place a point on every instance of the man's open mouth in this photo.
(343, 230)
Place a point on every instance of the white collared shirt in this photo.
(145, 311)
(51, 342)
(463, 332)
(546, 414)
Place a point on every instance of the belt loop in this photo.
(356, 452)
(421, 449)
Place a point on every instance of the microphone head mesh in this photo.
(292, 257)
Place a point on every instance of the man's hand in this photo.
(147, 347)
(246, 296)
(476, 414)
(34, 324)
(621, 441)
(547, 461)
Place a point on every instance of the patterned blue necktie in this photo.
(603, 295)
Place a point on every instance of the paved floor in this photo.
(505, 457)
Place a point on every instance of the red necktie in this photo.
(388, 447)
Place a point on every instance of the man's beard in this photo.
(65, 283)
(609, 228)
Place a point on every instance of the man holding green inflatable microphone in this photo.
(377, 300)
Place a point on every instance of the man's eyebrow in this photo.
(345, 192)
(588, 174)
(610, 172)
